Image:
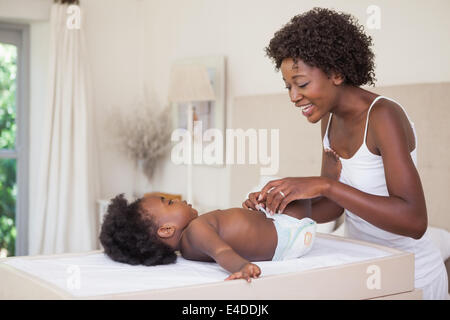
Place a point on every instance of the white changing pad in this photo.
(99, 275)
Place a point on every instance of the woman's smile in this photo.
(307, 109)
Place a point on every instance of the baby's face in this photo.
(164, 211)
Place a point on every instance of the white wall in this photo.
(113, 37)
(133, 43)
(411, 46)
(25, 10)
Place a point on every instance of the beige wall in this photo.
(133, 42)
(113, 37)
(301, 146)
(25, 10)
(410, 47)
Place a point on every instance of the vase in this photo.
(142, 184)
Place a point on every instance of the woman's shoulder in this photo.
(387, 111)
(389, 117)
(386, 104)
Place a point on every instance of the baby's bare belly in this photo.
(251, 234)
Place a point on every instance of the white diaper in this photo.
(295, 237)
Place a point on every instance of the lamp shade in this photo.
(190, 82)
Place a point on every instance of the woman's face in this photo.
(310, 89)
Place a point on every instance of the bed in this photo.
(336, 268)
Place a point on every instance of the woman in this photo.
(369, 158)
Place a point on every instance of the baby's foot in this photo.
(331, 166)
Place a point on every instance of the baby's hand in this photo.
(247, 272)
(331, 166)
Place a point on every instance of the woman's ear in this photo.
(337, 78)
(166, 231)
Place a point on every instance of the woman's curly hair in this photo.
(128, 237)
(329, 40)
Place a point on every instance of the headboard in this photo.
(428, 106)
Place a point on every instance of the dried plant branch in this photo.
(142, 133)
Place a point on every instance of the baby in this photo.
(149, 230)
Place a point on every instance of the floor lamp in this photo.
(190, 83)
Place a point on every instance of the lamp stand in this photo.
(190, 119)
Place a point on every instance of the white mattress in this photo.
(99, 275)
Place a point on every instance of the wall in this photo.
(111, 31)
(28, 11)
(113, 38)
(277, 112)
(132, 44)
(410, 47)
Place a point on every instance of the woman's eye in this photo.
(299, 85)
(170, 201)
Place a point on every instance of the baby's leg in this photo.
(331, 165)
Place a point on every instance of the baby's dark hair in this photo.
(329, 40)
(128, 237)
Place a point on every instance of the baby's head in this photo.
(146, 231)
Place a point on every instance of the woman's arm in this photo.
(325, 210)
(322, 209)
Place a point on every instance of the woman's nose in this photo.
(295, 95)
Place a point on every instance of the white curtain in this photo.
(64, 217)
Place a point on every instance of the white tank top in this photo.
(365, 172)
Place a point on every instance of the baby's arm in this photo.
(204, 237)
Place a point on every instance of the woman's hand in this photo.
(247, 272)
(252, 202)
(277, 194)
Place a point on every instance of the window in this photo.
(13, 139)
